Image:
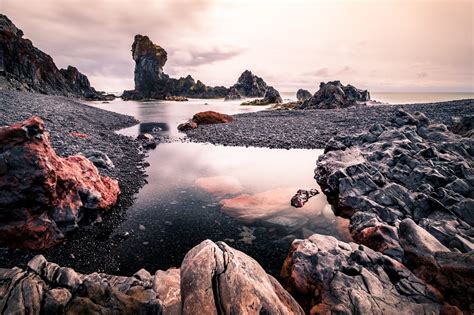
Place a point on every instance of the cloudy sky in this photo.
(382, 45)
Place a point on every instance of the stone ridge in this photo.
(25, 67)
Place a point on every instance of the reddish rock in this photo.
(44, 195)
(211, 117)
(188, 125)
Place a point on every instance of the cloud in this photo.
(421, 75)
(326, 72)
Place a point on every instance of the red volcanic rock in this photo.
(211, 117)
(44, 195)
(78, 135)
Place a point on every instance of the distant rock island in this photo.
(151, 82)
(24, 67)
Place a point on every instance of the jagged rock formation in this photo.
(44, 195)
(409, 168)
(152, 83)
(271, 96)
(233, 94)
(25, 67)
(302, 95)
(328, 276)
(214, 279)
(205, 118)
(335, 95)
(249, 85)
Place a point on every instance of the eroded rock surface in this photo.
(303, 95)
(25, 67)
(44, 195)
(328, 276)
(213, 279)
(151, 82)
(271, 96)
(335, 95)
(249, 85)
(409, 168)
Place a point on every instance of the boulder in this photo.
(44, 195)
(211, 117)
(408, 168)
(151, 82)
(213, 279)
(335, 95)
(233, 94)
(271, 96)
(328, 276)
(147, 140)
(25, 67)
(188, 125)
(99, 158)
(302, 196)
(302, 95)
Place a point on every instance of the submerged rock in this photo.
(44, 195)
(328, 276)
(213, 279)
(409, 168)
(25, 67)
(303, 95)
(271, 96)
(302, 196)
(335, 95)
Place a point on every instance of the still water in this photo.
(201, 191)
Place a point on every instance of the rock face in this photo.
(328, 276)
(335, 95)
(407, 169)
(303, 95)
(249, 85)
(44, 195)
(205, 118)
(25, 67)
(152, 83)
(271, 96)
(233, 94)
(213, 279)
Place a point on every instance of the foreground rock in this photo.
(205, 118)
(335, 95)
(44, 195)
(214, 279)
(271, 96)
(25, 67)
(152, 83)
(302, 196)
(328, 276)
(409, 168)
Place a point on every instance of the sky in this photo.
(380, 45)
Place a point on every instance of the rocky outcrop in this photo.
(271, 96)
(335, 95)
(213, 279)
(302, 95)
(25, 67)
(151, 82)
(205, 118)
(233, 94)
(409, 168)
(302, 196)
(249, 85)
(44, 195)
(328, 276)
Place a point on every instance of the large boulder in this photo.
(409, 168)
(25, 67)
(250, 85)
(328, 276)
(44, 195)
(151, 82)
(205, 118)
(271, 96)
(335, 95)
(213, 279)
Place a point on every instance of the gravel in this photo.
(312, 129)
(88, 248)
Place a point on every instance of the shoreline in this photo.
(62, 116)
(312, 129)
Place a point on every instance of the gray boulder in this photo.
(335, 95)
(303, 95)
